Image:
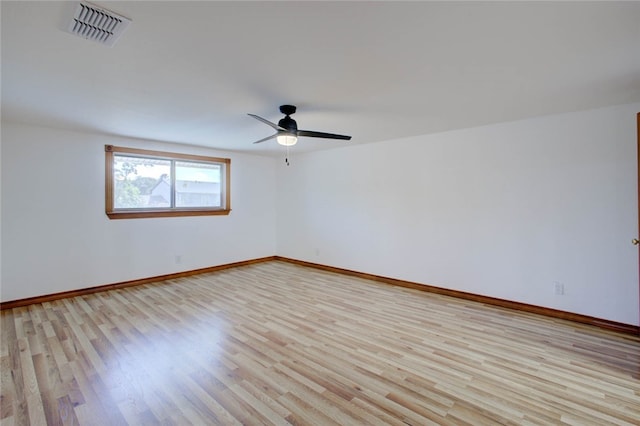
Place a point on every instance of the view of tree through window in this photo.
(136, 178)
(144, 183)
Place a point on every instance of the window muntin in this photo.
(142, 183)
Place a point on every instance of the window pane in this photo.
(198, 184)
(140, 182)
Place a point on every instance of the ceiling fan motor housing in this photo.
(289, 124)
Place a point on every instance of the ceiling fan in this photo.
(287, 132)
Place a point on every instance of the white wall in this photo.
(56, 236)
(503, 210)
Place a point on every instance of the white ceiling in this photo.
(189, 72)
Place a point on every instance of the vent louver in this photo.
(98, 24)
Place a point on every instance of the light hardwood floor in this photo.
(276, 343)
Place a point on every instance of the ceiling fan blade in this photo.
(267, 138)
(267, 122)
(312, 134)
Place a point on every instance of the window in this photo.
(141, 183)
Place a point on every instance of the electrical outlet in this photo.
(558, 288)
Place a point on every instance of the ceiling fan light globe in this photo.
(287, 140)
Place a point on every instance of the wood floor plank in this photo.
(277, 343)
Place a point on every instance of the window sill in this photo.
(141, 214)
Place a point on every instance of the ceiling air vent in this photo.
(98, 24)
